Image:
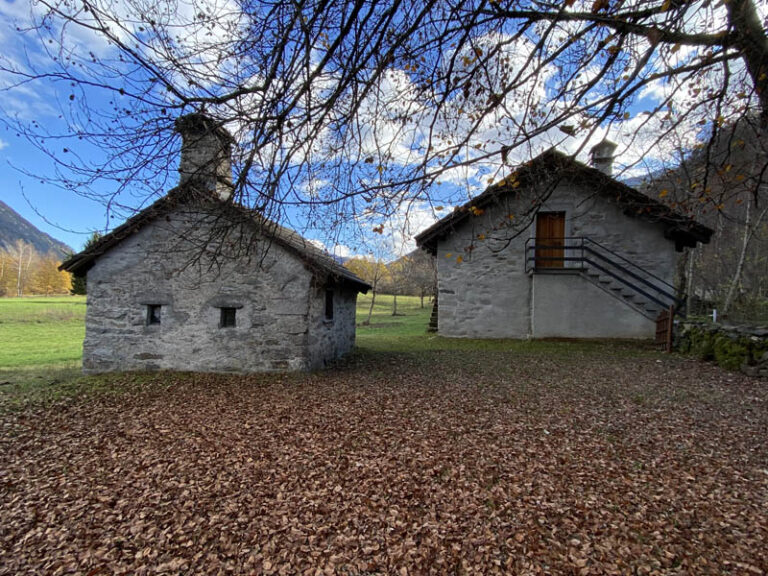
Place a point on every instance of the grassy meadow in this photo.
(41, 352)
(42, 349)
(41, 331)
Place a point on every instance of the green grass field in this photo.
(42, 349)
(40, 332)
(385, 330)
(42, 344)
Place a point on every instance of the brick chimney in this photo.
(602, 156)
(206, 150)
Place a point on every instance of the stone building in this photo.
(197, 282)
(558, 249)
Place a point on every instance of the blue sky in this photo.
(71, 217)
(60, 213)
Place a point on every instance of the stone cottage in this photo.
(558, 249)
(197, 282)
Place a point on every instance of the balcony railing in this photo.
(588, 257)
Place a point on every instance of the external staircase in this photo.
(614, 274)
(432, 327)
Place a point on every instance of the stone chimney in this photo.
(602, 156)
(206, 150)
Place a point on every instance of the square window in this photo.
(329, 304)
(228, 318)
(153, 314)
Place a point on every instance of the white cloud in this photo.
(187, 40)
(338, 250)
(400, 228)
(3, 144)
(342, 251)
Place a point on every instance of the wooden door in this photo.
(550, 239)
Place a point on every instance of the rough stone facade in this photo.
(278, 302)
(485, 291)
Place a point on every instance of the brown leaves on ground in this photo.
(483, 463)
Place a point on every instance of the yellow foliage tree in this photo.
(24, 271)
(46, 278)
(373, 271)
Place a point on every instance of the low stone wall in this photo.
(743, 348)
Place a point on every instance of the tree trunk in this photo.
(19, 286)
(394, 305)
(752, 42)
(689, 295)
(421, 296)
(740, 266)
(748, 233)
(370, 310)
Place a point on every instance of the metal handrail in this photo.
(620, 257)
(634, 275)
(582, 245)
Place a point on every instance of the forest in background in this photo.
(415, 274)
(730, 273)
(24, 272)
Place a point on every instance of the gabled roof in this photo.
(681, 229)
(313, 257)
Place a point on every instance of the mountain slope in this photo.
(13, 227)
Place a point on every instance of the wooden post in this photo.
(665, 326)
(670, 328)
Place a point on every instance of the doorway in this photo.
(550, 240)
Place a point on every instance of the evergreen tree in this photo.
(79, 284)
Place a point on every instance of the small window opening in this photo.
(153, 314)
(329, 304)
(228, 318)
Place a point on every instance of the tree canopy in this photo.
(365, 112)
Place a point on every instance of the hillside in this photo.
(723, 186)
(14, 227)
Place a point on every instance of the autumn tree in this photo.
(420, 274)
(5, 272)
(730, 272)
(374, 272)
(394, 282)
(18, 261)
(355, 110)
(46, 278)
(414, 274)
(24, 271)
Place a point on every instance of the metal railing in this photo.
(582, 254)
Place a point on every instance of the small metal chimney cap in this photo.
(602, 156)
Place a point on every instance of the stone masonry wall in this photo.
(482, 285)
(567, 306)
(271, 294)
(637, 239)
(485, 292)
(738, 347)
(331, 339)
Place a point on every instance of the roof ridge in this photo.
(510, 184)
(285, 236)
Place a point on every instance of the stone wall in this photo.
(271, 291)
(331, 338)
(485, 292)
(743, 348)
